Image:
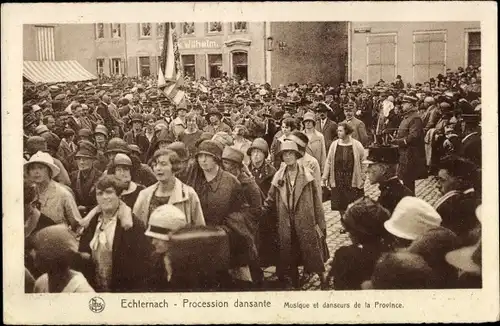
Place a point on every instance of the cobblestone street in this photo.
(425, 189)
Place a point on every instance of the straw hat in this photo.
(164, 220)
(46, 159)
(412, 218)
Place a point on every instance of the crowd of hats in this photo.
(454, 90)
(413, 219)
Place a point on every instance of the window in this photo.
(215, 27)
(144, 67)
(100, 66)
(188, 28)
(240, 65)
(429, 55)
(160, 29)
(145, 29)
(474, 49)
(116, 66)
(45, 43)
(240, 27)
(99, 30)
(214, 65)
(381, 57)
(188, 65)
(116, 30)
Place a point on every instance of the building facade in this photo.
(415, 50)
(274, 52)
(277, 52)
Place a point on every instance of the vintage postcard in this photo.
(284, 162)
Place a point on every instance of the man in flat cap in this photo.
(382, 163)
(410, 141)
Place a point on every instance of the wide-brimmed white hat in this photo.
(479, 213)
(412, 218)
(164, 220)
(46, 159)
(467, 259)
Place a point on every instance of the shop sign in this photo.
(194, 44)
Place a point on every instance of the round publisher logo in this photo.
(96, 304)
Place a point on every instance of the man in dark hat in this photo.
(456, 175)
(83, 180)
(136, 134)
(30, 123)
(326, 126)
(410, 141)
(471, 143)
(382, 164)
(216, 125)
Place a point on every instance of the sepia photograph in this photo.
(250, 157)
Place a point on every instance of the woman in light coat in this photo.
(168, 190)
(343, 169)
(301, 219)
(316, 146)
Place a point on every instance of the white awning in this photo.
(55, 71)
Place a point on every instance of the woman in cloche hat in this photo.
(294, 195)
(56, 200)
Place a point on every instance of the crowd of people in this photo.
(126, 192)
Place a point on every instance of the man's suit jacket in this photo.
(329, 131)
(359, 130)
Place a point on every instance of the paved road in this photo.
(425, 189)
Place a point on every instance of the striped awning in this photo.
(55, 71)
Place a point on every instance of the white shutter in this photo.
(45, 43)
(381, 57)
(429, 55)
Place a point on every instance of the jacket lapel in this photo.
(279, 178)
(303, 178)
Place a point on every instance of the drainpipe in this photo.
(349, 51)
(125, 70)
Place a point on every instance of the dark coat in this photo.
(337, 114)
(306, 217)
(353, 265)
(131, 197)
(139, 139)
(271, 130)
(220, 197)
(268, 233)
(359, 130)
(471, 148)
(263, 176)
(329, 131)
(131, 256)
(391, 192)
(410, 140)
(144, 175)
(457, 212)
(84, 188)
(223, 204)
(183, 281)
